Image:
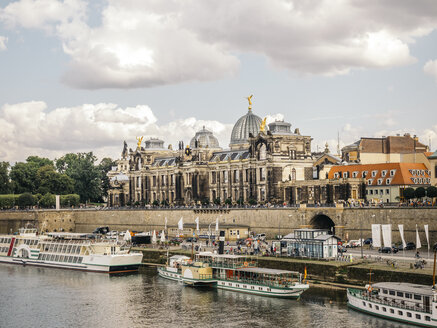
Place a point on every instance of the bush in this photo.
(48, 200)
(252, 201)
(26, 200)
(70, 200)
(8, 201)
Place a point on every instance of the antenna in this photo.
(338, 142)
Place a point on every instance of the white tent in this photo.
(162, 236)
(127, 236)
(154, 237)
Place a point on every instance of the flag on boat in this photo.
(401, 231)
(418, 244)
(216, 225)
(162, 236)
(197, 224)
(376, 235)
(181, 224)
(427, 234)
(386, 234)
(154, 237)
(305, 274)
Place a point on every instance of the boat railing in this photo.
(239, 265)
(205, 276)
(377, 299)
(269, 283)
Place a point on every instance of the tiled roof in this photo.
(385, 174)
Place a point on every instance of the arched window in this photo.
(262, 152)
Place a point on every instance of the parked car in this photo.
(409, 246)
(353, 243)
(368, 241)
(388, 250)
(261, 236)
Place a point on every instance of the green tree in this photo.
(48, 201)
(217, 201)
(409, 193)
(252, 201)
(5, 183)
(104, 167)
(431, 192)
(80, 167)
(50, 181)
(419, 192)
(24, 174)
(26, 200)
(228, 201)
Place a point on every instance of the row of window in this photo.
(29, 242)
(62, 248)
(5, 240)
(379, 181)
(223, 176)
(377, 191)
(421, 180)
(402, 294)
(392, 311)
(420, 172)
(4, 249)
(60, 258)
(364, 174)
(245, 287)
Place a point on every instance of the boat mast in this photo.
(433, 270)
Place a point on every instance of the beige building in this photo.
(433, 168)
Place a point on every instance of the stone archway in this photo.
(322, 221)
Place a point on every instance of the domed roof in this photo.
(205, 139)
(248, 123)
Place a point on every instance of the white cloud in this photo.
(431, 68)
(142, 43)
(3, 41)
(30, 128)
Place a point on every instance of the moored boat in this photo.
(67, 251)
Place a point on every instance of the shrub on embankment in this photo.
(27, 200)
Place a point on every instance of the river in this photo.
(43, 297)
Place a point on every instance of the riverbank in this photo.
(329, 273)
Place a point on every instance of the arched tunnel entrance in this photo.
(322, 221)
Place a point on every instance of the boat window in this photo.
(74, 259)
(377, 307)
(80, 260)
(364, 303)
(370, 305)
(260, 288)
(40, 256)
(64, 249)
(69, 249)
(427, 318)
(392, 311)
(70, 259)
(62, 258)
(407, 295)
(417, 297)
(409, 314)
(400, 313)
(392, 292)
(400, 294)
(57, 258)
(384, 309)
(418, 316)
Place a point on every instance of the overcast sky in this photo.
(80, 75)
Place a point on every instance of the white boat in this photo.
(67, 251)
(410, 303)
(236, 273)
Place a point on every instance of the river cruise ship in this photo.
(236, 273)
(410, 303)
(67, 251)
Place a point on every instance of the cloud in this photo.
(144, 43)
(431, 68)
(30, 128)
(3, 41)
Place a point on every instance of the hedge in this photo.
(46, 201)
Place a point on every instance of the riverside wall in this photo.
(272, 221)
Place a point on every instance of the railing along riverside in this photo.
(357, 293)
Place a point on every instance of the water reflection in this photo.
(39, 297)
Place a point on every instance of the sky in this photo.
(79, 76)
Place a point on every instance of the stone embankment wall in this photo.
(348, 221)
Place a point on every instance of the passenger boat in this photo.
(236, 273)
(410, 303)
(67, 251)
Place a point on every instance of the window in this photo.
(388, 181)
(427, 318)
(336, 174)
(379, 182)
(383, 173)
(384, 309)
(417, 297)
(400, 294)
(384, 291)
(369, 182)
(400, 313)
(387, 191)
(408, 295)
(376, 192)
(418, 316)
(377, 307)
(345, 174)
(364, 303)
(409, 314)
(365, 174)
(374, 173)
(392, 311)
(371, 192)
(392, 292)
(370, 305)
(355, 174)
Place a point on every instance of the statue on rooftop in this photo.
(140, 139)
(250, 101)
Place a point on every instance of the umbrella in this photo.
(162, 237)
(154, 237)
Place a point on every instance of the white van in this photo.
(261, 236)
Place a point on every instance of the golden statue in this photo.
(262, 127)
(250, 101)
(140, 139)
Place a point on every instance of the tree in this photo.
(80, 167)
(50, 181)
(48, 201)
(228, 201)
(252, 201)
(104, 167)
(217, 201)
(431, 192)
(419, 192)
(5, 183)
(409, 193)
(24, 175)
(26, 200)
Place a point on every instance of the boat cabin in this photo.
(312, 243)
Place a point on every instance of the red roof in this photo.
(385, 173)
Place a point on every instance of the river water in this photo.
(42, 297)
